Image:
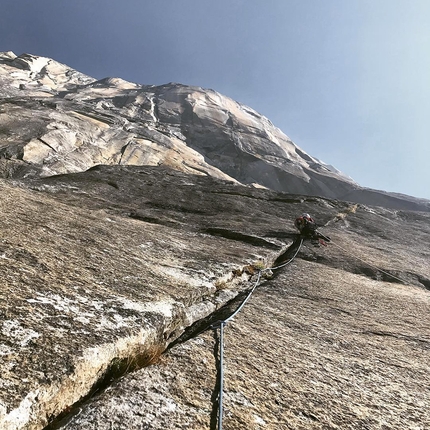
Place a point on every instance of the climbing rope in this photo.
(290, 260)
(223, 323)
(369, 264)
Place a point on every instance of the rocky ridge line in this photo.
(54, 120)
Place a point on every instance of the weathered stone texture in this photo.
(77, 285)
(329, 342)
(305, 353)
(110, 276)
(102, 270)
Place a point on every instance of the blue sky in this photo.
(347, 80)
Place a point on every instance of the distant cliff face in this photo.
(55, 120)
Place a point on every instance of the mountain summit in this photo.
(56, 120)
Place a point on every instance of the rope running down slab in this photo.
(369, 264)
(223, 323)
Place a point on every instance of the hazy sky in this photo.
(347, 80)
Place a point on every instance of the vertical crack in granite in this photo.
(135, 356)
(144, 354)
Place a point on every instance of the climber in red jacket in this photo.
(308, 229)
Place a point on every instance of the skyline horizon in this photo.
(346, 81)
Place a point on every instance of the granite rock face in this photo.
(84, 290)
(55, 120)
(104, 270)
(135, 217)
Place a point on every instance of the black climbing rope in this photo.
(369, 264)
(223, 323)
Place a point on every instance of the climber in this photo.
(308, 229)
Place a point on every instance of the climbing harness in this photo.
(223, 323)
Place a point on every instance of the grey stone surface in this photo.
(102, 270)
(82, 288)
(110, 276)
(303, 354)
